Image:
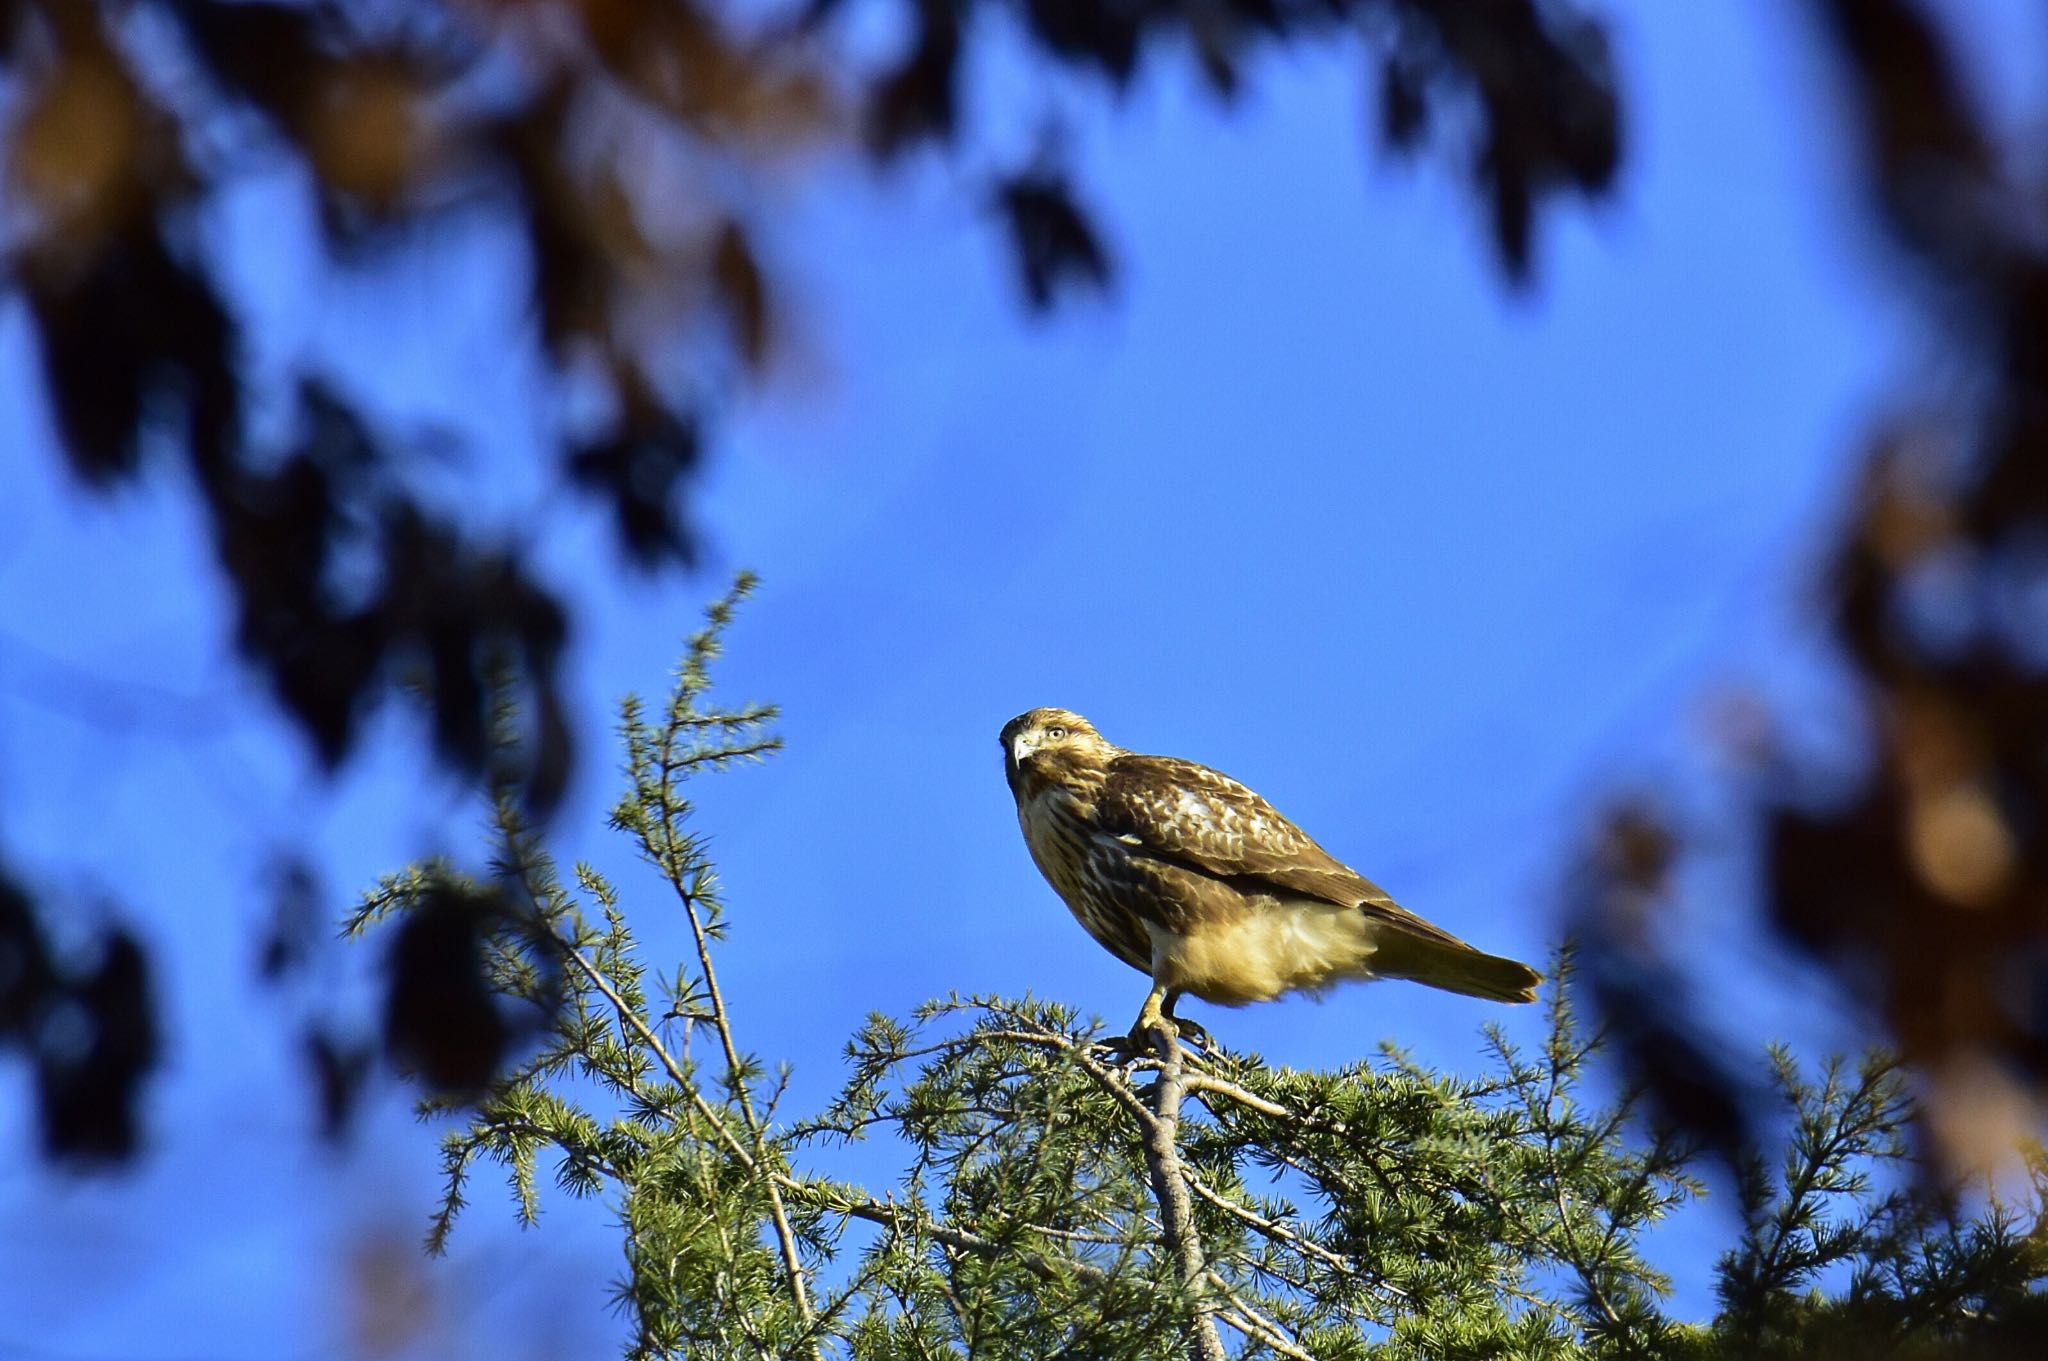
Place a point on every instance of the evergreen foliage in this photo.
(1057, 1200)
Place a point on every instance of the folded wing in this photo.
(1203, 820)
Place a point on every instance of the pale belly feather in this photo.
(1279, 946)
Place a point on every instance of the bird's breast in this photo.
(1056, 831)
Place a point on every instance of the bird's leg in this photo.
(1156, 1014)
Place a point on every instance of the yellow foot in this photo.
(1153, 1019)
(1191, 1032)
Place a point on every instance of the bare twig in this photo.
(1255, 1325)
(897, 1219)
(1272, 1229)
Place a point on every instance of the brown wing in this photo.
(1202, 819)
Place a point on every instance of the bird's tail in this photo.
(1453, 966)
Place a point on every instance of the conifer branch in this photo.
(1102, 1075)
(632, 1019)
(893, 1218)
(785, 1235)
(1203, 1084)
(1170, 1192)
(680, 864)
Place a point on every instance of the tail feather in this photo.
(1453, 966)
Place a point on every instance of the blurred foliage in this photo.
(1926, 889)
(1915, 872)
(87, 1022)
(1058, 1201)
(625, 142)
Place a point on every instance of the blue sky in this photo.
(1314, 499)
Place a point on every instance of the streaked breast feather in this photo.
(1060, 843)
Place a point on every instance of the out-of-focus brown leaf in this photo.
(1960, 845)
(1925, 888)
(74, 162)
(743, 292)
(390, 1296)
(581, 229)
(1977, 1113)
(367, 130)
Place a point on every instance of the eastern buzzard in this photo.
(1186, 875)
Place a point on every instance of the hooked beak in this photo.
(1023, 745)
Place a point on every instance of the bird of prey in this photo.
(1186, 875)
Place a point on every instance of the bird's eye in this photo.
(1055, 733)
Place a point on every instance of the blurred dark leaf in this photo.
(917, 101)
(296, 928)
(27, 974)
(1101, 33)
(1664, 1054)
(99, 1040)
(639, 469)
(132, 338)
(1056, 246)
(1514, 209)
(271, 55)
(338, 1070)
(457, 611)
(441, 1019)
(1835, 879)
(1404, 105)
(1925, 147)
(1617, 902)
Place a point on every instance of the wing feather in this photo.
(1202, 819)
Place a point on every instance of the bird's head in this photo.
(1057, 736)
